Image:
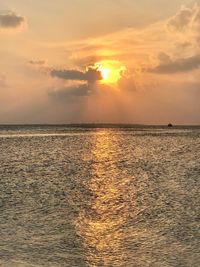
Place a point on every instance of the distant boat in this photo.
(170, 125)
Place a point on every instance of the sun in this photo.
(104, 72)
(111, 71)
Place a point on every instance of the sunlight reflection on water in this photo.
(101, 227)
(99, 198)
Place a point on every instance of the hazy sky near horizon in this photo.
(120, 61)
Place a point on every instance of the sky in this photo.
(108, 61)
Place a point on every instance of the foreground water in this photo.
(99, 197)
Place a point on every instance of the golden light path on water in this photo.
(99, 197)
(101, 227)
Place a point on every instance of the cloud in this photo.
(37, 62)
(91, 75)
(164, 58)
(11, 20)
(180, 65)
(81, 83)
(181, 20)
(66, 93)
(187, 23)
(181, 42)
(128, 84)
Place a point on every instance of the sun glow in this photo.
(111, 71)
(104, 72)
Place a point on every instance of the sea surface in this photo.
(99, 196)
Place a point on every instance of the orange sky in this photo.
(116, 61)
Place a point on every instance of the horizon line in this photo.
(98, 124)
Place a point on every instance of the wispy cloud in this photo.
(37, 62)
(181, 20)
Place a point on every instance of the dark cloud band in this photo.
(91, 75)
(10, 20)
(181, 65)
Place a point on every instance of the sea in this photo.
(99, 195)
